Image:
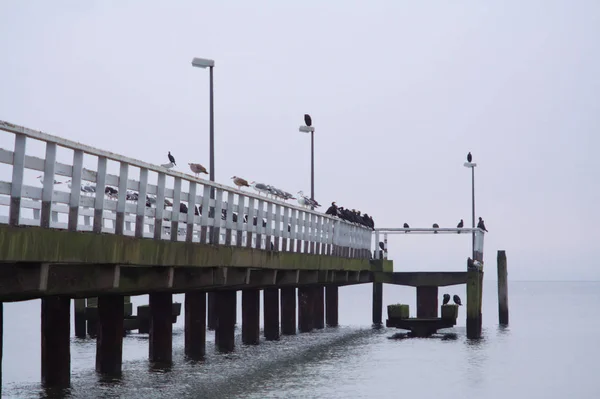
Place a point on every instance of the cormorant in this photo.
(456, 299)
(307, 120)
(406, 226)
(469, 157)
(446, 299)
(460, 225)
(481, 225)
(172, 159)
(435, 226)
(381, 245)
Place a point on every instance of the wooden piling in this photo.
(225, 331)
(1, 341)
(212, 311)
(56, 349)
(109, 345)
(251, 317)
(79, 317)
(161, 327)
(474, 292)
(331, 305)
(288, 310)
(427, 302)
(319, 299)
(195, 324)
(502, 289)
(377, 304)
(305, 309)
(92, 320)
(271, 313)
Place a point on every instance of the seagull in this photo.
(172, 159)
(456, 299)
(261, 188)
(111, 192)
(481, 225)
(287, 196)
(238, 181)
(406, 226)
(302, 201)
(435, 226)
(446, 299)
(197, 168)
(41, 179)
(167, 165)
(460, 225)
(469, 157)
(307, 120)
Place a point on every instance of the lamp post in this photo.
(472, 165)
(210, 64)
(309, 129)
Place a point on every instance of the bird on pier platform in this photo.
(167, 165)
(456, 299)
(406, 226)
(460, 225)
(172, 159)
(239, 182)
(41, 179)
(446, 299)
(469, 157)
(481, 225)
(435, 226)
(197, 168)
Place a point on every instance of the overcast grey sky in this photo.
(398, 91)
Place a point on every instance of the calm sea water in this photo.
(549, 351)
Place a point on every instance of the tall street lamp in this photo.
(308, 128)
(210, 64)
(470, 164)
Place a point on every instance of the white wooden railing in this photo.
(284, 227)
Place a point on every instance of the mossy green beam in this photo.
(35, 244)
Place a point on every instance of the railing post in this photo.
(48, 190)
(75, 191)
(99, 195)
(16, 187)
(122, 200)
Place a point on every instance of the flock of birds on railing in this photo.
(111, 192)
(460, 225)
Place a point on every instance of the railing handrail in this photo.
(38, 135)
(392, 230)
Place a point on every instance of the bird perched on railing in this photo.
(132, 195)
(460, 225)
(239, 182)
(306, 201)
(435, 226)
(172, 159)
(332, 210)
(168, 165)
(446, 299)
(260, 187)
(111, 192)
(85, 188)
(197, 168)
(41, 179)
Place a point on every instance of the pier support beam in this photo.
(56, 350)
(1, 340)
(212, 311)
(288, 311)
(109, 345)
(306, 309)
(377, 304)
(319, 297)
(331, 305)
(251, 317)
(502, 289)
(474, 292)
(161, 327)
(225, 331)
(271, 313)
(79, 317)
(195, 324)
(427, 302)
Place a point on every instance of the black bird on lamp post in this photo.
(307, 120)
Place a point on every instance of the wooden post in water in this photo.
(474, 291)
(305, 309)
(331, 305)
(225, 331)
(1, 341)
(288, 310)
(161, 327)
(271, 313)
(319, 299)
(109, 345)
(427, 302)
(56, 342)
(377, 290)
(195, 324)
(79, 316)
(502, 289)
(251, 316)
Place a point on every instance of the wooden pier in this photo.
(59, 243)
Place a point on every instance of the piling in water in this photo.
(331, 303)
(271, 313)
(79, 316)
(319, 299)
(427, 302)
(305, 309)
(225, 331)
(195, 324)
(109, 345)
(251, 316)
(474, 292)
(502, 289)
(56, 341)
(161, 327)
(288, 310)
